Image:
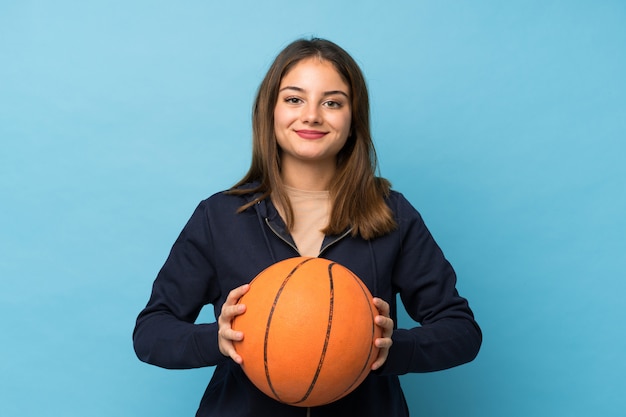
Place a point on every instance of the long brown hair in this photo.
(357, 194)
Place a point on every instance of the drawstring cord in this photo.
(265, 236)
(374, 270)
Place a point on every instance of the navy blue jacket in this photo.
(219, 250)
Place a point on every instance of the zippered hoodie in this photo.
(220, 249)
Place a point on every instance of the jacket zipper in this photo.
(267, 221)
(346, 233)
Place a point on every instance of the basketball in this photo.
(308, 330)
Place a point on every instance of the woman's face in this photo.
(312, 117)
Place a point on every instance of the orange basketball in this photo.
(308, 331)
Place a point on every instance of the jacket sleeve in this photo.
(447, 334)
(165, 334)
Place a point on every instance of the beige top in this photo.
(311, 211)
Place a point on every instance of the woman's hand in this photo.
(386, 324)
(226, 335)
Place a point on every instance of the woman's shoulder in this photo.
(225, 197)
(402, 208)
(231, 197)
(395, 197)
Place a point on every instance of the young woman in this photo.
(311, 190)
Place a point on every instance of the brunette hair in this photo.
(357, 194)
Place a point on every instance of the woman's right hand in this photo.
(226, 335)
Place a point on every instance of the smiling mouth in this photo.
(310, 134)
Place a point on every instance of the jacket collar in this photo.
(272, 219)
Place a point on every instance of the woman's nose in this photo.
(311, 114)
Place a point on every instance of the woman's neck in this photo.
(308, 176)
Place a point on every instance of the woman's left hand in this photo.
(386, 324)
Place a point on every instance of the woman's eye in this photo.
(293, 100)
(333, 104)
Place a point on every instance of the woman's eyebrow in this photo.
(302, 90)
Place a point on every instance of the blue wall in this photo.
(503, 122)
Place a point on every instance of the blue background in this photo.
(503, 122)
